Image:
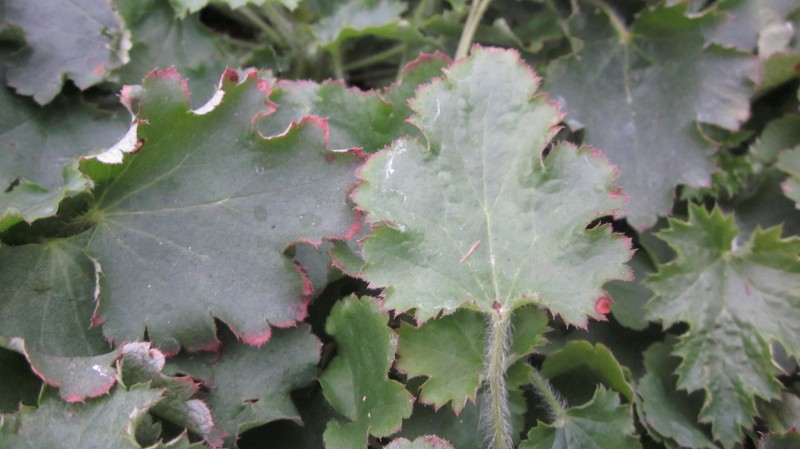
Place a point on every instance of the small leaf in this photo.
(507, 225)
(183, 7)
(638, 93)
(194, 225)
(789, 162)
(82, 40)
(600, 423)
(356, 382)
(737, 298)
(105, 422)
(250, 386)
(141, 364)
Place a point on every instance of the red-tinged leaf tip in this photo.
(257, 339)
(230, 75)
(603, 305)
(425, 57)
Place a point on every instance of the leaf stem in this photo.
(262, 25)
(546, 392)
(476, 11)
(338, 68)
(496, 354)
(375, 58)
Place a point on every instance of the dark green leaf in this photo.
(195, 224)
(638, 92)
(355, 18)
(80, 40)
(582, 355)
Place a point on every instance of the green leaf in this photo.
(250, 386)
(666, 412)
(638, 93)
(450, 352)
(356, 383)
(161, 41)
(779, 134)
(507, 225)
(630, 297)
(105, 422)
(598, 359)
(194, 225)
(426, 442)
(38, 146)
(736, 297)
(80, 40)
(356, 18)
(600, 423)
(141, 364)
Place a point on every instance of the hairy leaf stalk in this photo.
(499, 416)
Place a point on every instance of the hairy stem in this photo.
(476, 11)
(496, 355)
(546, 392)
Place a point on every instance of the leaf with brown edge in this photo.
(193, 226)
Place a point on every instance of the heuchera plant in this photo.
(399, 224)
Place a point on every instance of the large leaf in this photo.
(82, 40)
(450, 352)
(638, 93)
(250, 386)
(37, 148)
(600, 423)
(737, 297)
(356, 382)
(195, 224)
(506, 224)
(105, 422)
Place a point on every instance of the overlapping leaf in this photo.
(82, 40)
(589, 425)
(356, 382)
(737, 298)
(506, 224)
(195, 224)
(789, 161)
(750, 20)
(183, 7)
(109, 421)
(37, 148)
(427, 442)
(250, 386)
(637, 94)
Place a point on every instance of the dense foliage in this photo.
(399, 224)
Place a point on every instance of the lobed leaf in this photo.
(80, 40)
(356, 382)
(737, 298)
(638, 93)
(109, 421)
(507, 224)
(194, 225)
(355, 18)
